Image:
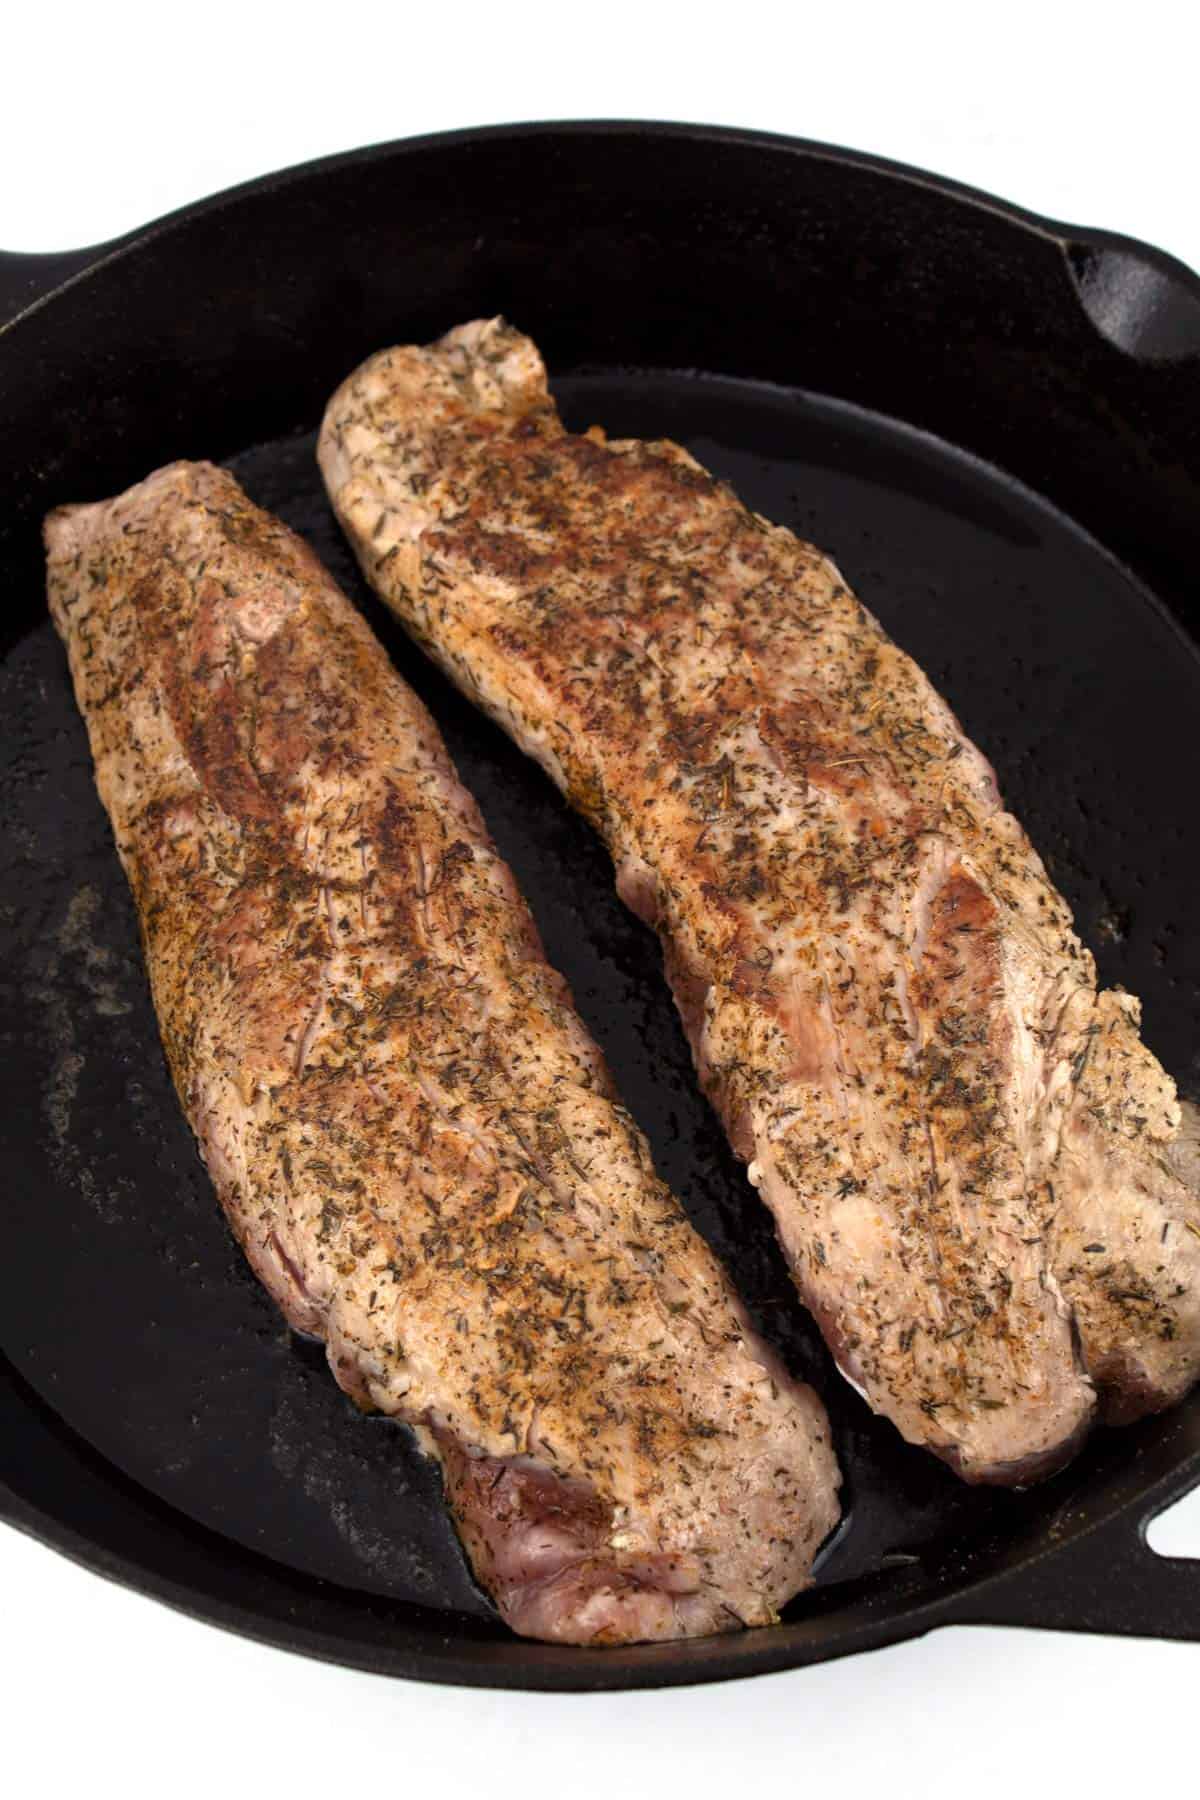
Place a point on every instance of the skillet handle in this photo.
(25, 279)
(1105, 1580)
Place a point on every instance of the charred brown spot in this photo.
(811, 750)
(963, 905)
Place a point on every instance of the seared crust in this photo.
(411, 1132)
(966, 1149)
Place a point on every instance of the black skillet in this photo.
(992, 422)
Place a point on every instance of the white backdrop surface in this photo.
(117, 114)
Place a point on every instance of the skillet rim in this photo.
(75, 263)
(1027, 1592)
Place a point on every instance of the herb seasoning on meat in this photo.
(411, 1132)
(884, 993)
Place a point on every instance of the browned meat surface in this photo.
(411, 1132)
(966, 1148)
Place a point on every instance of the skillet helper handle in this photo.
(26, 279)
(1108, 1580)
(1146, 303)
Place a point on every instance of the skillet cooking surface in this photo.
(131, 1313)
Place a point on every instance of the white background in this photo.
(1085, 112)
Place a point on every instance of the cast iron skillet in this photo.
(991, 421)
